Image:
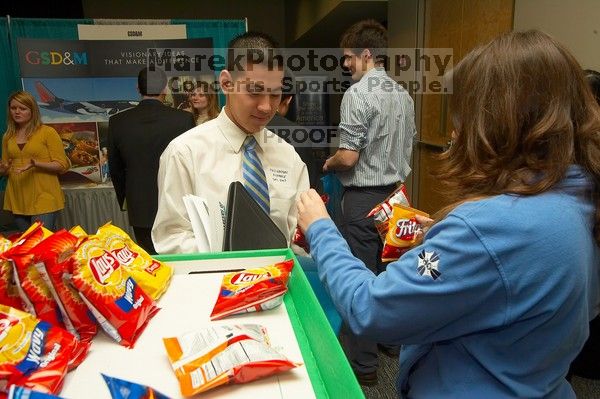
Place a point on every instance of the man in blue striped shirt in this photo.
(377, 128)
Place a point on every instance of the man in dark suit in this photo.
(295, 135)
(136, 139)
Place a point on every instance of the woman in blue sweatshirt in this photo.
(495, 302)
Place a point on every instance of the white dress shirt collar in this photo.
(236, 136)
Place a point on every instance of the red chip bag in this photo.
(53, 262)
(34, 292)
(33, 353)
(9, 295)
(252, 290)
(402, 232)
(299, 238)
(32, 289)
(383, 212)
(121, 307)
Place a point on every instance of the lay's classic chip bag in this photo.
(113, 296)
(252, 290)
(33, 353)
(153, 276)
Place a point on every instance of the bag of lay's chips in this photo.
(383, 212)
(243, 361)
(121, 389)
(153, 276)
(252, 290)
(402, 232)
(9, 294)
(17, 392)
(115, 299)
(189, 351)
(53, 257)
(33, 353)
(34, 292)
(78, 231)
(32, 289)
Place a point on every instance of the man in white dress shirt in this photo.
(206, 159)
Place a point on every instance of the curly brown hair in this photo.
(523, 112)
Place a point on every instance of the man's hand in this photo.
(310, 209)
(342, 160)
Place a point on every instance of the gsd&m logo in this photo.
(52, 57)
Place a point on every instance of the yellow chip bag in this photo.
(151, 275)
(402, 232)
(78, 231)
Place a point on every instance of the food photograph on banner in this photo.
(80, 84)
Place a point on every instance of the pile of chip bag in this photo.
(55, 288)
(396, 223)
(220, 355)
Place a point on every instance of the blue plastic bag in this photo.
(334, 189)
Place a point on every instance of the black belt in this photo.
(388, 188)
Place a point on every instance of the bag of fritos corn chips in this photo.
(402, 233)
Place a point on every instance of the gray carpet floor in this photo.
(388, 369)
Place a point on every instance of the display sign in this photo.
(131, 32)
(80, 84)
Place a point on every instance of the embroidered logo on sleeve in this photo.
(427, 264)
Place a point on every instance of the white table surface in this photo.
(186, 307)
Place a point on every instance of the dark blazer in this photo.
(136, 139)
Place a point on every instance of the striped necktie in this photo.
(253, 174)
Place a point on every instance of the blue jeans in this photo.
(24, 221)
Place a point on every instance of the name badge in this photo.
(280, 176)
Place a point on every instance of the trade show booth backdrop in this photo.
(79, 88)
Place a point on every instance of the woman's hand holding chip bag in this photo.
(425, 223)
(310, 209)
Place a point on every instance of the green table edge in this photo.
(328, 369)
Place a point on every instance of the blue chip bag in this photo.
(121, 389)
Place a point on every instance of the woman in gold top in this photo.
(32, 157)
(204, 103)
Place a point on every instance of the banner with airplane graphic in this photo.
(80, 84)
